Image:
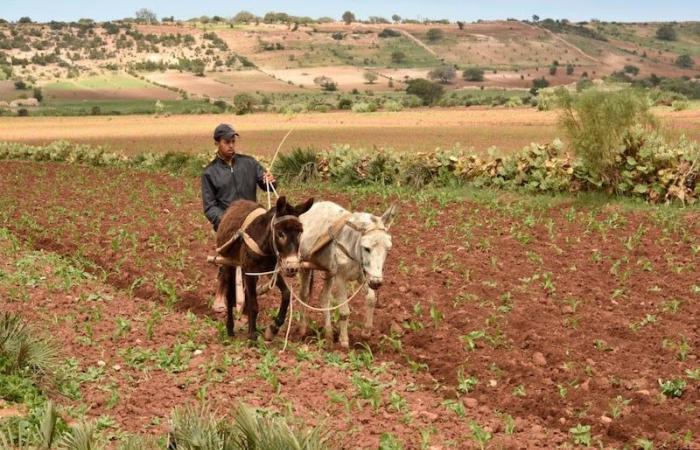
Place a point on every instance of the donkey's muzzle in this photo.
(375, 283)
(290, 265)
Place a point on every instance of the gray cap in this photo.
(224, 131)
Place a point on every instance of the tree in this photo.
(38, 95)
(434, 34)
(396, 18)
(244, 17)
(243, 103)
(569, 69)
(348, 17)
(473, 74)
(535, 18)
(460, 24)
(397, 57)
(666, 32)
(146, 15)
(444, 74)
(24, 20)
(429, 92)
(685, 62)
(371, 77)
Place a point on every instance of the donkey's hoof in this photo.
(345, 344)
(270, 332)
(366, 332)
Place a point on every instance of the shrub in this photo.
(631, 69)
(537, 84)
(666, 32)
(344, 103)
(371, 77)
(326, 83)
(38, 94)
(569, 69)
(388, 32)
(434, 34)
(444, 74)
(364, 107)
(243, 103)
(298, 165)
(393, 106)
(685, 62)
(23, 112)
(553, 70)
(398, 57)
(512, 102)
(583, 84)
(680, 105)
(411, 101)
(20, 85)
(473, 74)
(428, 91)
(596, 123)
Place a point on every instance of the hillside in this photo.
(179, 60)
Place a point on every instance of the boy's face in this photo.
(227, 148)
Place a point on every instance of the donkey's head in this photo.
(375, 244)
(286, 229)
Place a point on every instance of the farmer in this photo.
(229, 177)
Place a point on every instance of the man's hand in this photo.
(268, 177)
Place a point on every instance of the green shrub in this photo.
(596, 123)
(473, 74)
(344, 103)
(392, 105)
(243, 103)
(680, 105)
(428, 91)
(364, 107)
(298, 165)
(411, 101)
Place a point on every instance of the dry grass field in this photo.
(411, 130)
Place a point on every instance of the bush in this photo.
(411, 101)
(398, 57)
(569, 69)
(473, 74)
(444, 74)
(428, 91)
(685, 62)
(344, 103)
(583, 84)
(666, 32)
(388, 32)
(21, 85)
(434, 34)
(364, 107)
(243, 103)
(680, 105)
(22, 112)
(298, 165)
(596, 123)
(631, 69)
(393, 106)
(512, 102)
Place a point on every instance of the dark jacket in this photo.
(222, 184)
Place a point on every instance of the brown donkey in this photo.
(271, 239)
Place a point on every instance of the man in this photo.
(229, 177)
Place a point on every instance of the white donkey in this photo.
(349, 247)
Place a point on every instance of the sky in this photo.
(608, 10)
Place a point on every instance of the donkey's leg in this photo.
(251, 305)
(344, 312)
(325, 304)
(274, 327)
(304, 293)
(370, 302)
(227, 284)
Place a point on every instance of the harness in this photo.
(249, 241)
(332, 236)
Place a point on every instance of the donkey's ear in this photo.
(281, 206)
(389, 215)
(301, 209)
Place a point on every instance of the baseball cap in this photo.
(224, 131)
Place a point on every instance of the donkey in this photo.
(350, 247)
(271, 238)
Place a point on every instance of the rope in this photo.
(269, 169)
